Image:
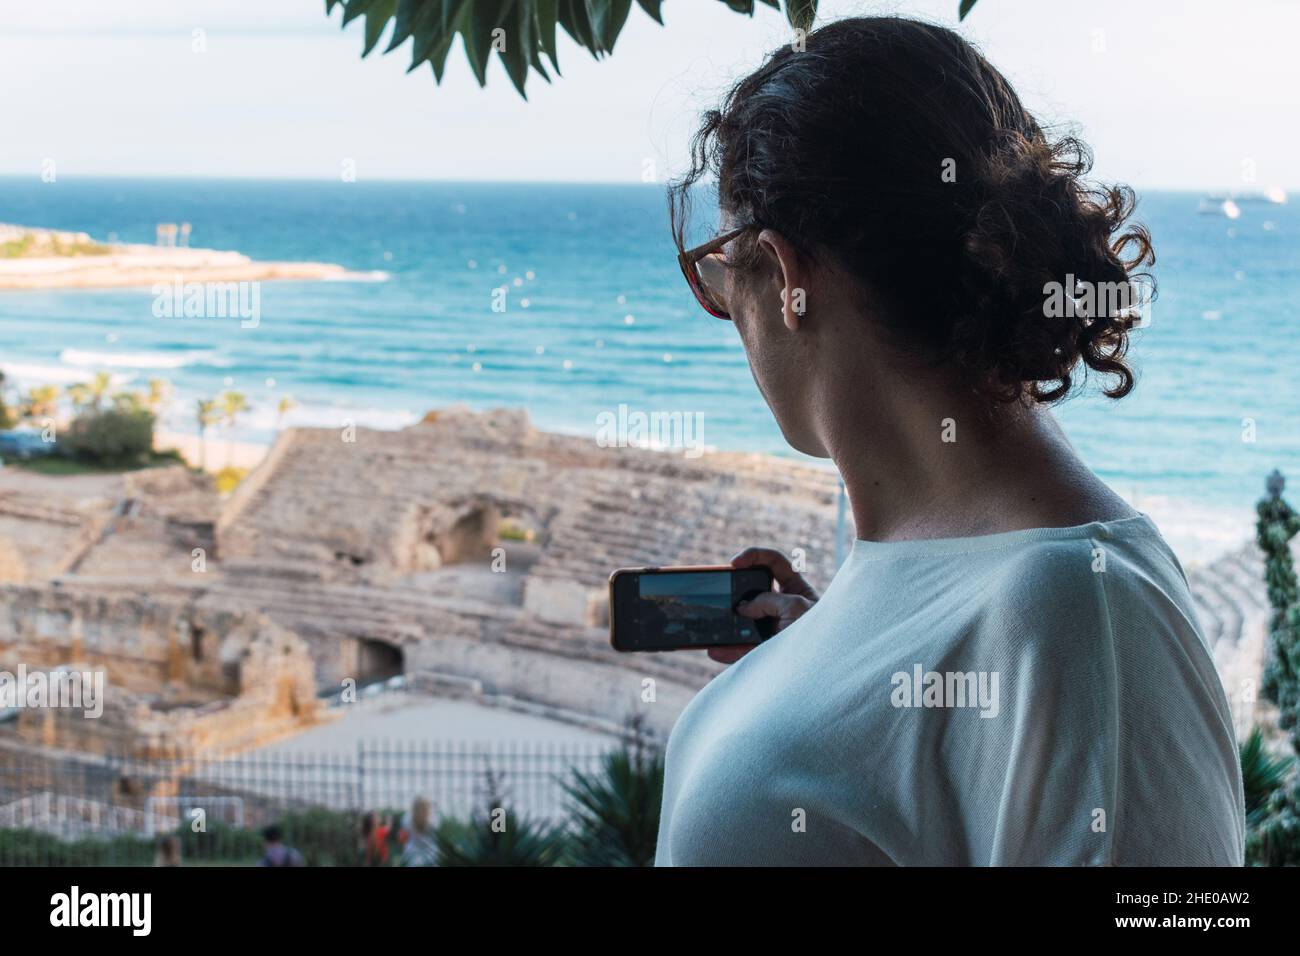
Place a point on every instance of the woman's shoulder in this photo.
(1081, 585)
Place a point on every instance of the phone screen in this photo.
(667, 609)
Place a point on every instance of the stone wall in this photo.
(178, 674)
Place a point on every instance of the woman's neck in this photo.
(922, 463)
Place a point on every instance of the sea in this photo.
(595, 315)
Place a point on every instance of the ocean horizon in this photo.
(596, 315)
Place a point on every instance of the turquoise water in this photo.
(417, 329)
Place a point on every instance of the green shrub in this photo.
(1272, 806)
(616, 812)
(499, 838)
(1273, 835)
(1273, 810)
(323, 837)
(1262, 774)
(33, 848)
(219, 842)
(1278, 524)
(111, 436)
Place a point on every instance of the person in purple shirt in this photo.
(276, 853)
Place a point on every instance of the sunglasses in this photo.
(706, 273)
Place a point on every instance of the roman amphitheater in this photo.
(468, 553)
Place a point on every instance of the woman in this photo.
(168, 851)
(1007, 669)
(374, 839)
(419, 846)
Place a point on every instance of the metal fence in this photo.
(112, 810)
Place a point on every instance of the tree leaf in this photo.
(519, 40)
(595, 25)
(438, 56)
(615, 19)
(545, 15)
(377, 18)
(482, 17)
(966, 7)
(429, 29)
(535, 60)
(573, 17)
(354, 8)
(447, 15)
(652, 7)
(408, 11)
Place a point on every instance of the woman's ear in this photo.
(790, 275)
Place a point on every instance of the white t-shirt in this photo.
(1040, 697)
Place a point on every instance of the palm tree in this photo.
(233, 404)
(7, 419)
(287, 404)
(42, 401)
(207, 414)
(91, 395)
(131, 403)
(160, 391)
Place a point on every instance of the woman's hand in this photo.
(786, 605)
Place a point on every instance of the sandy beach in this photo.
(149, 265)
(99, 265)
(220, 452)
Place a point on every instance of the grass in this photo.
(510, 530)
(32, 245)
(228, 479)
(59, 465)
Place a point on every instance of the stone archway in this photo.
(463, 532)
(378, 660)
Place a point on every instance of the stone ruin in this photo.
(474, 547)
(469, 553)
(179, 677)
(91, 592)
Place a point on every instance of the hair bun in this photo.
(1037, 236)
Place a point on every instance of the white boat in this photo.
(1216, 206)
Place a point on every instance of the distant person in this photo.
(1008, 668)
(383, 840)
(416, 835)
(374, 839)
(168, 851)
(275, 853)
(367, 827)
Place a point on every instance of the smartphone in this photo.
(666, 609)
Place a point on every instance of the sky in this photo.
(1194, 94)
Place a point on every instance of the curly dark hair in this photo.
(893, 147)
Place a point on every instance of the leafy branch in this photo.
(521, 32)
